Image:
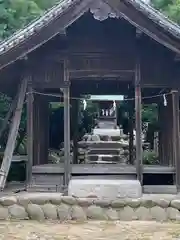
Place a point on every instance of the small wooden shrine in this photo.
(92, 47)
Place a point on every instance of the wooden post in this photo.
(131, 133)
(43, 129)
(8, 154)
(138, 117)
(67, 156)
(30, 109)
(131, 138)
(176, 142)
(75, 115)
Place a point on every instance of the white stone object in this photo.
(104, 188)
(106, 132)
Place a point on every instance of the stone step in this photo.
(104, 158)
(104, 151)
(160, 189)
(105, 189)
(104, 144)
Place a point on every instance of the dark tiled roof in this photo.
(50, 15)
(157, 17)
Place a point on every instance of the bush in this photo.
(150, 157)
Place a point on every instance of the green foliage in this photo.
(15, 14)
(150, 113)
(150, 157)
(169, 8)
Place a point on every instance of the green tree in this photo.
(169, 8)
(15, 14)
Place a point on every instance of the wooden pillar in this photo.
(35, 129)
(67, 157)
(131, 140)
(30, 136)
(176, 145)
(75, 115)
(131, 134)
(138, 111)
(169, 131)
(43, 130)
(40, 130)
(162, 134)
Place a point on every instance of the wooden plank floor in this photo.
(93, 169)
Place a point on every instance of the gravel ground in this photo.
(29, 230)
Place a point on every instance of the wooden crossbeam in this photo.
(6, 163)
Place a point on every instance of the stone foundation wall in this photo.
(55, 206)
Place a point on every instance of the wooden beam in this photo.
(67, 159)
(176, 142)
(30, 100)
(6, 163)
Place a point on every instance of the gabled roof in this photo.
(66, 12)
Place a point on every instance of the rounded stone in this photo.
(119, 203)
(158, 213)
(133, 203)
(102, 203)
(164, 203)
(85, 202)
(112, 214)
(56, 199)
(39, 199)
(175, 204)
(35, 212)
(77, 213)
(173, 213)
(8, 201)
(64, 212)
(96, 213)
(69, 200)
(4, 214)
(147, 202)
(50, 211)
(143, 213)
(17, 212)
(127, 214)
(23, 200)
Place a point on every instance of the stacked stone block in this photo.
(56, 207)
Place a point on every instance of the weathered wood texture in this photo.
(138, 113)
(175, 135)
(74, 125)
(103, 169)
(66, 95)
(30, 125)
(6, 163)
(165, 133)
(101, 52)
(40, 130)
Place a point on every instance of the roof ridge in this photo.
(161, 18)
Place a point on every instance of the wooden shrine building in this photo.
(93, 47)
